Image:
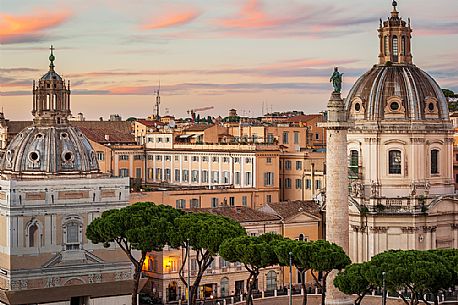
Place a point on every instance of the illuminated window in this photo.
(386, 45)
(395, 49)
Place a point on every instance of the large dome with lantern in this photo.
(50, 146)
(395, 89)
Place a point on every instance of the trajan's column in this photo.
(337, 225)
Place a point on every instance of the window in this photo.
(268, 198)
(158, 173)
(232, 201)
(288, 183)
(167, 140)
(269, 160)
(195, 203)
(287, 165)
(298, 184)
(33, 235)
(296, 137)
(195, 176)
(285, 137)
(100, 156)
(237, 178)
(244, 201)
(225, 177)
(317, 136)
(318, 184)
(204, 176)
(215, 159)
(204, 159)
(215, 177)
(403, 46)
(159, 140)
(124, 157)
(138, 157)
(268, 179)
(177, 158)
(236, 160)
(386, 46)
(434, 161)
(177, 175)
(395, 49)
(181, 204)
(195, 159)
(72, 235)
(214, 202)
(138, 172)
(248, 160)
(354, 161)
(185, 175)
(270, 138)
(167, 158)
(123, 172)
(224, 285)
(185, 158)
(248, 178)
(271, 281)
(225, 159)
(394, 162)
(158, 158)
(150, 157)
(298, 165)
(308, 184)
(168, 174)
(150, 173)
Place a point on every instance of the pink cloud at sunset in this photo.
(27, 27)
(172, 19)
(252, 16)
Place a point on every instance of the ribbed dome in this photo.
(398, 92)
(49, 151)
(51, 75)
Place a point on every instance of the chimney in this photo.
(107, 137)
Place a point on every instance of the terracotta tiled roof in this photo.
(290, 209)
(198, 127)
(149, 123)
(302, 118)
(108, 136)
(239, 214)
(120, 126)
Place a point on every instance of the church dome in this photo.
(51, 146)
(49, 151)
(396, 91)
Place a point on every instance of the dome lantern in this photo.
(395, 40)
(51, 98)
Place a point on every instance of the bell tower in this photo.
(395, 39)
(51, 98)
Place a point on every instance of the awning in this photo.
(185, 136)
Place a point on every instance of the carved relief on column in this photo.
(379, 229)
(409, 229)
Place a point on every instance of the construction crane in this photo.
(193, 111)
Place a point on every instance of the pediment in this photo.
(302, 217)
(66, 258)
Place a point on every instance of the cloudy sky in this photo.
(223, 53)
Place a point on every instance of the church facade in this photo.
(51, 188)
(400, 152)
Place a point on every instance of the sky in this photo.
(251, 55)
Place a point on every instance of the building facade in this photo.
(51, 188)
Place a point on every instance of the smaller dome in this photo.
(51, 75)
(49, 151)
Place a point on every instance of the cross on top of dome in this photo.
(51, 58)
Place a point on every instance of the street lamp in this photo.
(189, 270)
(290, 278)
(384, 288)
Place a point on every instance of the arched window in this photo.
(386, 45)
(224, 287)
(33, 235)
(435, 161)
(302, 237)
(271, 281)
(353, 166)
(395, 49)
(48, 102)
(403, 46)
(394, 162)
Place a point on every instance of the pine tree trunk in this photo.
(304, 288)
(137, 274)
